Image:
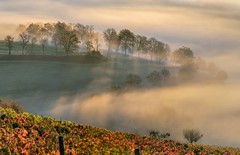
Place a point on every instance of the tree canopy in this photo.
(126, 40)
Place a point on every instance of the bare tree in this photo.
(192, 135)
(9, 43)
(25, 40)
(45, 32)
(44, 42)
(33, 30)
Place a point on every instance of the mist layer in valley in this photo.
(80, 93)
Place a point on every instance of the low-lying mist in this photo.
(80, 93)
(212, 109)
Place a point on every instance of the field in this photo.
(26, 133)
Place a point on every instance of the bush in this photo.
(11, 104)
(154, 77)
(95, 55)
(165, 73)
(156, 134)
(133, 80)
(192, 135)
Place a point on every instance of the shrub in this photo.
(156, 134)
(133, 80)
(192, 135)
(154, 77)
(165, 73)
(11, 104)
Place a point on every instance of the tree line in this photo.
(73, 38)
(78, 38)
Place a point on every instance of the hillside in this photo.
(26, 133)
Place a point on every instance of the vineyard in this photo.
(25, 133)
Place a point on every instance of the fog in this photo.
(80, 93)
(212, 109)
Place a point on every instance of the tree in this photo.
(165, 73)
(126, 40)
(84, 33)
(159, 50)
(183, 55)
(45, 32)
(154, 77)
(156, 134)
(44, 42)
(111, 38)
(89, 46)
(33, 30)
(165, 53)
(133, 80)
(192, 135)
(25, 40)
(9, 43)
(152, 46)
(69, 41)
(141, 43)
(65, 37)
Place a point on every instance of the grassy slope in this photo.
(32, 134)
(37, 85)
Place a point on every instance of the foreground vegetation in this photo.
(24, 133)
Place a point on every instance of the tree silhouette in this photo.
(152, 46)
(183, 55)
(65, 37)
(111, 38)
(133, 80)
(45, 32)
(141, 43)
(126, 40)
(9, 43)
(165, 73)
(192, 135)
(154, 77)
(25, 40)
(33, 30)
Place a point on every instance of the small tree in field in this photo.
(154, 77)
(133, 80)
(192, 135)
(9, 43)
